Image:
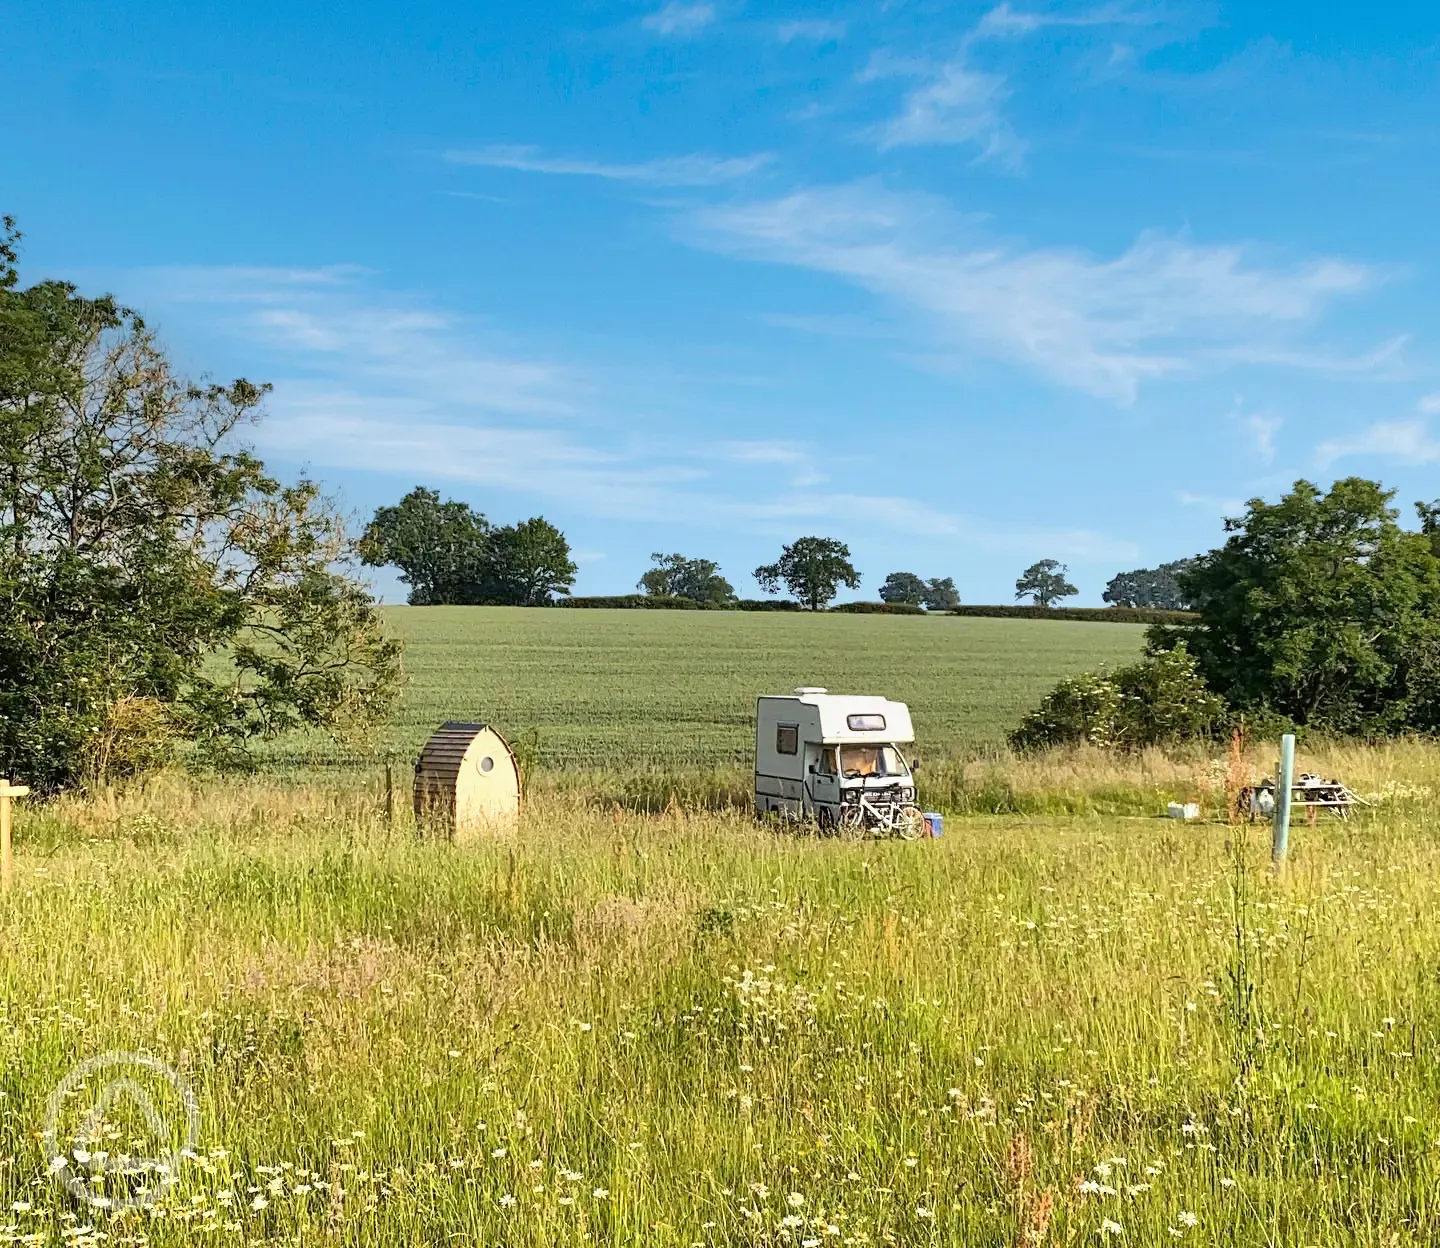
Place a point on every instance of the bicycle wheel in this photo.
(852, 822)
(909, 823)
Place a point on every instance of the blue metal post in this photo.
(1284, 787)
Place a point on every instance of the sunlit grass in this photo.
(608, 1026)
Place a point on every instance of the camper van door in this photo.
(824, 777)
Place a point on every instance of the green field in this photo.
(610, 689)
(607, 1028)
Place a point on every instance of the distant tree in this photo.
(441, 548)
(528, 564)
(675, 576)
(941, 595)
(1322, 609)
(812, 568)
(903, 587)
(1044, 582)
(158, 584)
(1150, 587)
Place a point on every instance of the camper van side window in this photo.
(866, 723)
(787, 739)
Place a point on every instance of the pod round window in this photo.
(865, 723)
(487, 764)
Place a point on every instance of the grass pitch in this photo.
(607, 689)
(612, 1029)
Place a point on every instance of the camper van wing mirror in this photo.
(915, 763)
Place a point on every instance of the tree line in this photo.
(449, 554)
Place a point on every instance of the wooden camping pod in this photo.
(466, 779)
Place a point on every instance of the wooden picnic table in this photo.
(1310, 793)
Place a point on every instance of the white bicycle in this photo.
(883, 818)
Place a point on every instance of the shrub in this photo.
(632, 602)
(1100, 615)
(1159, 701)
(879, 608)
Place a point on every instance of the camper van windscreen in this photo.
(865, 723)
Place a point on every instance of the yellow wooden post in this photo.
(7, 859)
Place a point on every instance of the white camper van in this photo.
(835, 758)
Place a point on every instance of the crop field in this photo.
(606, 1028)
(604, 689)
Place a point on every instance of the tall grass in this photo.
(608, 1026)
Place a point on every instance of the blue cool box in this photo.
(936, 823)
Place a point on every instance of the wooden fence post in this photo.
(7, 856)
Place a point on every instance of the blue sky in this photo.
(963, 285)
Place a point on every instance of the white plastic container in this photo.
(1187, 810)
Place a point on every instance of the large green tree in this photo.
(941, 594)
(441, 548)
(1150, 587)
(529, 564)
(1322, 608)
(156, 584)
(1044, 582)
(675, 576)
(812, 568)
(903, 587)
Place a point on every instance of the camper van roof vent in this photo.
(807, 689)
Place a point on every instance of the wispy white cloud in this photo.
(680, 20)
(1163, 307)
(1261, 429)
(959, 99)
(1211, 504)
(1407, 440)
(1430, 405)
(763, 452)
(1006, 22)
(697, 169)
(1382, 360)
(952, 104)
(368, 382)
(814, 30)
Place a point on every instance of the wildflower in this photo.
(454, 1052)
(1227, 1182)
(259, 1203)
(508, 1201)
(1108, 1227)
(1187, 1219)
(792, 1220)
(21, 1206)
(499, 1152)
(794, 1200)
(600, 1193)
(922, 1212)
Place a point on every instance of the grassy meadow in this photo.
(640, 1017)
(665, 689)
(606, 1027)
